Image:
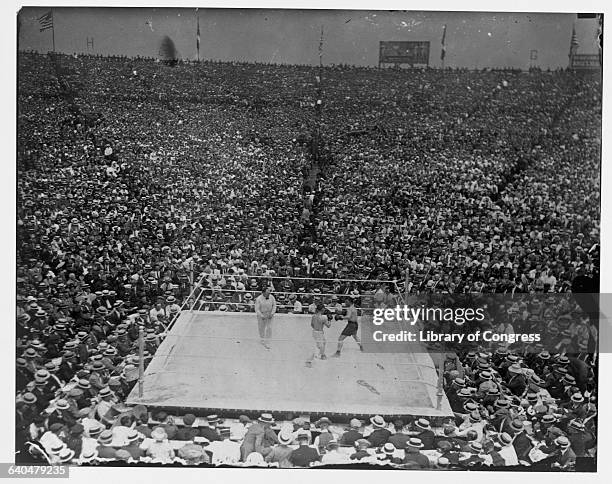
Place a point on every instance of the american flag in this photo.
(46, 21)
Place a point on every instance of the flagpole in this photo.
(443, 53)
(53, 30)
(198, 34)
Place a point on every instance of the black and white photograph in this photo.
(301, 238)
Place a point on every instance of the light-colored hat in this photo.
(89, 455)
(388, 448)
(105, 438)
(415, 443)
(62, 404)
(505, 438)
(378, 422)
(562, 442)
(266, 418)
(423, 424)
(66, 455)
(285, 438)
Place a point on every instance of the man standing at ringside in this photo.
(265, 307)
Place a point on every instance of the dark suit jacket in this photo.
(427, 437)
(567, 458)
(350, 437)
(186, 433)
(379, 437)
(399, 440)
(522, 446)
(135, 451)
(105, 452)
(209, 433)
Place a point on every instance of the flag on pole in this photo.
(46, 21)
(198, 34)
(443, 53)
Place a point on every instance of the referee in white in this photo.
(265, 307)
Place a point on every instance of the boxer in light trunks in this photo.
(318, 324)
(351, 328)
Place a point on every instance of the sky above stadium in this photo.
(473, 39)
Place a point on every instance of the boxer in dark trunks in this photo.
(351, 328)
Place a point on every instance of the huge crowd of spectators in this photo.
(138, 181)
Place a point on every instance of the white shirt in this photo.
(49, 440)
(155, 313)
(120, 434)
(89, 423)
(334, 457)
(88, 446)
(224, 451)
(508, 453)
(265, 307)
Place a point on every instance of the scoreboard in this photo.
(404, 52)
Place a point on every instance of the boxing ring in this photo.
(213, 362)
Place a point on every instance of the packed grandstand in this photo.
(138, 179)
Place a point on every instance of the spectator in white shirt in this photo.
(507, 452)
(51, 439)
(224, 451)
(157, 313)
(333, 455)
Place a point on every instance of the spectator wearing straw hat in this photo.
(61, 414)
(91, 434)
(507, 450)
(105, 448)
(579, 438)
(413, 458)
(352, 435)
(380, 433)
(52, 439)
(159, 450)
(104, 407)
(424, 433)
(280, 452)
(132, 445)
(304, 455)
(88, 457)
(65, 456)
(385, 455)
(259, 437)
(209, 428)
(326, 435)
(564, 456)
